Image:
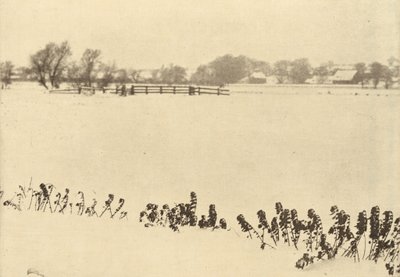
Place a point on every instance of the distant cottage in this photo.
(344, 77)
(257, 78)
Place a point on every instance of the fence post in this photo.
(160, 89)
(79, 90)
(174, 89)
(190, 90)
(218, 91)
(123, 90)
(132, 90)
(147, 92)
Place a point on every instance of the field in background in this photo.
(306, 89)
(301, 146)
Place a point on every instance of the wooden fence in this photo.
(147, 89)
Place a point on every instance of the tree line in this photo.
(52, 65)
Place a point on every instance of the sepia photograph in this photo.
(199, 138)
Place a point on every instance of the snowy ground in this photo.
(242, 153)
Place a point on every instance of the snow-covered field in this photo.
(242, 153)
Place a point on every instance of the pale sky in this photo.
(149, 33)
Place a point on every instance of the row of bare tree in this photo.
(51, 66)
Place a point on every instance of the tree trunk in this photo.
(43, 83)
(376, 82)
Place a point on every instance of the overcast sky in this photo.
(147, 33)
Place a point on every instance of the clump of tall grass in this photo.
(45, 199)
(286, 228)
(182, 214)
(376, 236)
(249, 230)
(362, 225)
(264, 225)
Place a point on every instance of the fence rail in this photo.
(147, 89)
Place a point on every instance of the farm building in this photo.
(257, 78)
(344, 77)
(254, 78)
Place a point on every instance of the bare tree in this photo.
(155, 76)
(74, 74)
(281, 70)
(361, 68)
(122, 76)
(50, 63)
(90, 59)
(134, 74)
(394, 66)
(26, 73)
(300, 71)
(58, 65)
(228, 69)
(40, 63)
(322, 73)
(204, 75)
(173, 74)
(387, 76)
(6, 71)
(376, 73)
(107, 72)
